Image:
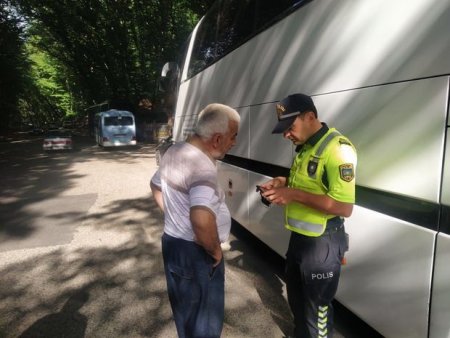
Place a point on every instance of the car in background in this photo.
(57, 139)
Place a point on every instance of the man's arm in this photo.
(205, 229)
(157, 195)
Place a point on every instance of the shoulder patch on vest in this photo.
(346, 172)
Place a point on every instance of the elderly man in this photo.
(196, 221)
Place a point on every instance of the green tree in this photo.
(100, 48)
(58, 57)
(13, 65)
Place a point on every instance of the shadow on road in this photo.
(30, 175)
(112, 284)
(69, 322)
(125, 283)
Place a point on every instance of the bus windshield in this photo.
(118, 121)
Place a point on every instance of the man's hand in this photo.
(205, 229)
(217, 258)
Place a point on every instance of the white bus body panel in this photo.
(445, 199)
(440, 306)
(237, 194)
(387, 277)
(334, 45)
(398, 130)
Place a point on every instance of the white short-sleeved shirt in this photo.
(187, 178)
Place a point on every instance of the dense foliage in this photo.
(68, 55)
(13, 65)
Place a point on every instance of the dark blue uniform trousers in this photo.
(313, 266)
(196, 289)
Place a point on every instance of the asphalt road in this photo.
(80, 251)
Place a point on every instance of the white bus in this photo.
(115, 128)
(378, 71)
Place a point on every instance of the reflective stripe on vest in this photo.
(302, 225)
(312, 222)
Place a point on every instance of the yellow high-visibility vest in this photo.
(306, 174)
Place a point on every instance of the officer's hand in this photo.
(281, 196)
(274, 183)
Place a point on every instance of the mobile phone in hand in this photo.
(264, 200)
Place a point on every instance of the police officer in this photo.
(317, 195)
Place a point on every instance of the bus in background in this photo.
(115, 128)
(379, 72)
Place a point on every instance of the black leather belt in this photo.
(334, 224)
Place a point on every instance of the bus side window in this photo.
(203, 52)
(230, 23)
(268, 11)
(235, 25)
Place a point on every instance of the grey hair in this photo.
(214, 119)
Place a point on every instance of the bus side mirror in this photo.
(169, 77)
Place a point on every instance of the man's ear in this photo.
(310, 115)
(216, 139)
